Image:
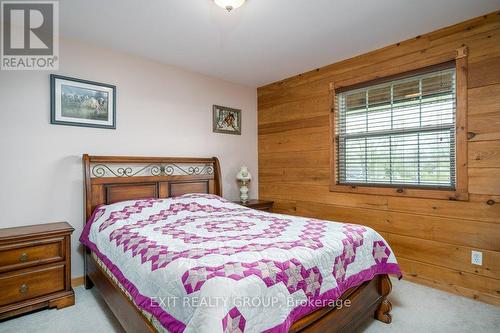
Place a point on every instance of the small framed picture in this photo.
(78, 102)
(226, 120)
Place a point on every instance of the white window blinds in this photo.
(399, 133)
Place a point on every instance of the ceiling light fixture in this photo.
(229, 5)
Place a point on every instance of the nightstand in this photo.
(35, 268)
(263, 205)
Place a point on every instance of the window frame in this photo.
(461, 182)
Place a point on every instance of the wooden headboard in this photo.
(109, 179)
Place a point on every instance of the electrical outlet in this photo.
(477, 258)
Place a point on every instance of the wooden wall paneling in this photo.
(322, 194)
(433, 236)
(294, 111)
(313, 138)
(476, 209)
(484, 72)
(397, 66)
(484, 180)
(298, 159)
(440, 229)
(312, 176)
(484, 154)
(484, 113)
(484, 126)
(485, 99)
(443, 254)
(455, 281)
(304, 123)
(296, 94)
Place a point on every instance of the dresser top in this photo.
(37, 229)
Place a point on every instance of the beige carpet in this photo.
(415, 309)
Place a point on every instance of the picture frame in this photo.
(226, 120)
(77, 102)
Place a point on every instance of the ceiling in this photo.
(263, 41)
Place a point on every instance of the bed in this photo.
(169, 254)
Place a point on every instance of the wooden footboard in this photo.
(368, 300)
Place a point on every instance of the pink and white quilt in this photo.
(199, 263)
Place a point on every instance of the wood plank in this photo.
(314, 176)
(298, 110)
(315, 138)
(304, 192)
(484, 72)
(484, 126)
(401, 64)
(461, 148)
(484, 180)
(477, 208)
(284, 126)
(454, 281)
(442, 254)
(315, 89)
(481, 235)
(484, 100)
(301, 159)
(484, 154)
(481, 49)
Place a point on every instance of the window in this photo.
(401, 134)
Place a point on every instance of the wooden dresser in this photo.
(35, 268)
(263, 205)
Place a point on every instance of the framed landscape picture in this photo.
(226, 120)
(78, 102)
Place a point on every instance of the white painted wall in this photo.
(161, 111)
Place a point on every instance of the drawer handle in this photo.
(23, 257)
(23, 289)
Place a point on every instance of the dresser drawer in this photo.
(30, 283)
(28, 254)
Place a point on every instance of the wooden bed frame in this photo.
(112, 179)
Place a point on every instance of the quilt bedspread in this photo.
(199, 263)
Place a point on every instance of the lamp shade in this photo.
(243, 174)
(229, 5)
